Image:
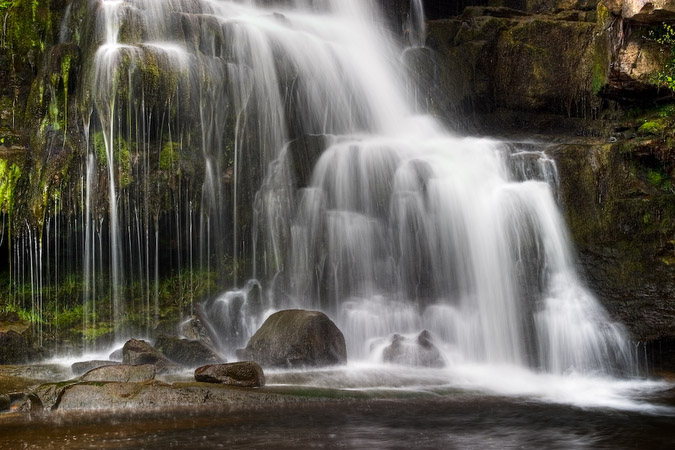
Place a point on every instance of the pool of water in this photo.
(384, 407)
(450, 422)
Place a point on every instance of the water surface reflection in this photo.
(451, 422)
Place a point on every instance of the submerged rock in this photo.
(79, 368)
(244, 374)
(122, 373)
(297, 338)
(418, 352)
(186, 352)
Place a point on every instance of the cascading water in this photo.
(404, 227)
(363, 208)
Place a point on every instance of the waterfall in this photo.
(277, 141)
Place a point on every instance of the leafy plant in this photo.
(665, 36)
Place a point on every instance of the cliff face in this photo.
(591, 78)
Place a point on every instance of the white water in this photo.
(401, 227)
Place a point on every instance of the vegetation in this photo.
(64, 315)
(665, 36)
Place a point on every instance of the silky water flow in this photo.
(397, 227)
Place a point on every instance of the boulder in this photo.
(16, 340)
(296, 338)
(413, 352)
(186, 352)
(243, 374)
(79, 368)
(117, 355)
(195, 330)
(121, 373)
(136, 351)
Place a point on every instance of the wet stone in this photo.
(189, 353)
(121, 373)
(243, 374)
(117, 355)
(297, 338)
(137, 352)
(79, 368)
(413, 352)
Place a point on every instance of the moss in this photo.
(29, 29)
(169, 156)
(667, 111)
(651, 128)
(9, 175)
(122, 155)
(66, 62)
(601, 62)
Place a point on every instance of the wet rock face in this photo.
(476, 54)
(623, 223)
(636, 63)
(186, 352)
(16, 341)
(413, 352)
(646, 11)
(243, 374)
(297, 338)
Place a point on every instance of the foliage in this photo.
(651, 127)
(665, 36)
(5, 5)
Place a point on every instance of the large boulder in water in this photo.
(297, 338)
(186, 352)
(243, 374)
(413, 352)
(136, 351)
